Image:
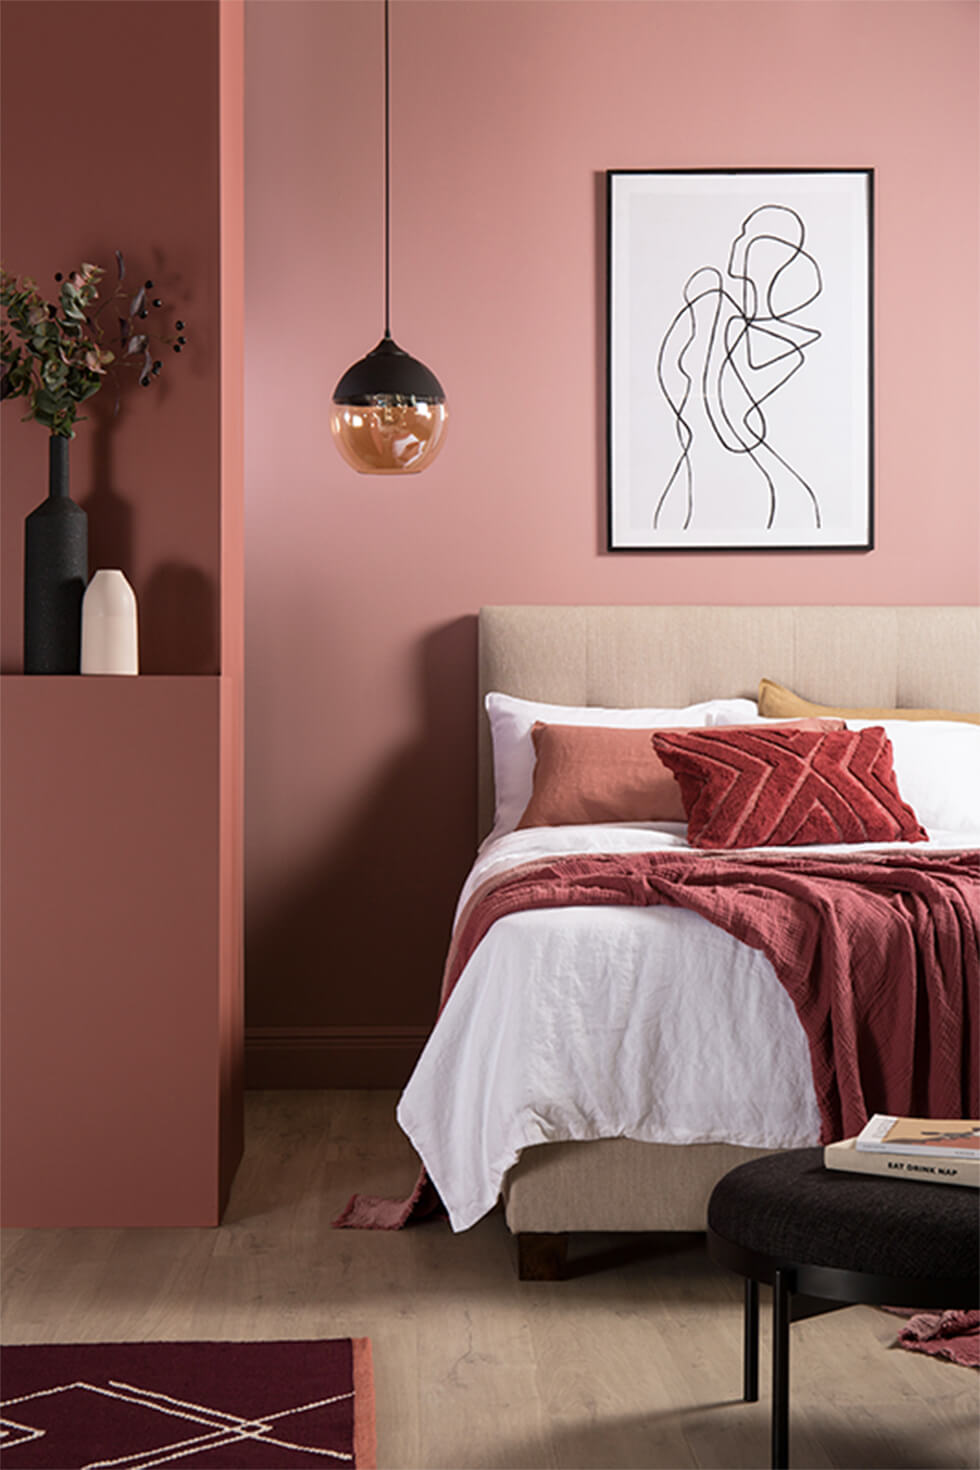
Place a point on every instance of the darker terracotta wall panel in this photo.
(123, 1013)
(121, 151)
(110, 1026)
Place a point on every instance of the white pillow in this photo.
(513, 749)
(937, 768)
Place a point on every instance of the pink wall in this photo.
(361, 592)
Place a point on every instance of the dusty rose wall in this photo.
(362, 592)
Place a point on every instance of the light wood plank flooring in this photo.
(635, 1364)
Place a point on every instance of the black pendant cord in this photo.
(388, 372)
(387, 185)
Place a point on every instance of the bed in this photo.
(627, 657)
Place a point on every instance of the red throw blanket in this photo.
(880, 956)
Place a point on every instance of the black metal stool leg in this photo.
(750, 1342)
(780, 1370)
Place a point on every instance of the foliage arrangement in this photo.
(53, 353)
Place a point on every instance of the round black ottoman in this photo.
(823, 1238)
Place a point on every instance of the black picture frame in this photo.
(739, 350)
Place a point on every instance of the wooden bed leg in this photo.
(541, 1257)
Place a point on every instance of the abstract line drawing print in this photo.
(737, 342)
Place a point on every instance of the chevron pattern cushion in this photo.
(762, 787)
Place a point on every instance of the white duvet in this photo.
(586, 1023)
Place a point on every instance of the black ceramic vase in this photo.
(55, 573)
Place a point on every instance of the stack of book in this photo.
(932, 1150)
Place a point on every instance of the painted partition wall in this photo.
(362, 593)
(112, 1031)
(122, 797)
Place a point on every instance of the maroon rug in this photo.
(223, 1405)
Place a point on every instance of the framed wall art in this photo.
(740, 359)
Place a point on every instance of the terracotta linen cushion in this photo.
(588, 773)
(766, 787)
(776, 700)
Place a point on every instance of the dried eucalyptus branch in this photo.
(59, 360)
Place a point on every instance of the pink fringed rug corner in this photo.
(371, 1212)
(954, 1335)
(225, 1405)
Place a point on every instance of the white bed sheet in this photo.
(586, 1023)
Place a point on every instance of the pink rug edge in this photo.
(365, 1425)
(953, 1335)
(371, 1212)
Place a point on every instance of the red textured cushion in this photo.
(762, 787)
(587, 773)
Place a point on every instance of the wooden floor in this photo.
(633, 1362)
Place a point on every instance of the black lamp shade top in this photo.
(388, 371)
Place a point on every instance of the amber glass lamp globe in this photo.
(388, 414)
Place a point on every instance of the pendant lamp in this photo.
(388, 415)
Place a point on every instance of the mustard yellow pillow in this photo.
(778, 702)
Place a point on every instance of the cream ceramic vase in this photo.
(110, 637)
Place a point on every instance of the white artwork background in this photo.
(666, 227)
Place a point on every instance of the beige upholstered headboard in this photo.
(623, 656)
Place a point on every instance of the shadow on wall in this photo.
(178, 608)
(110, 515)
(179, 621)
(601, 366)
(361, 937)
